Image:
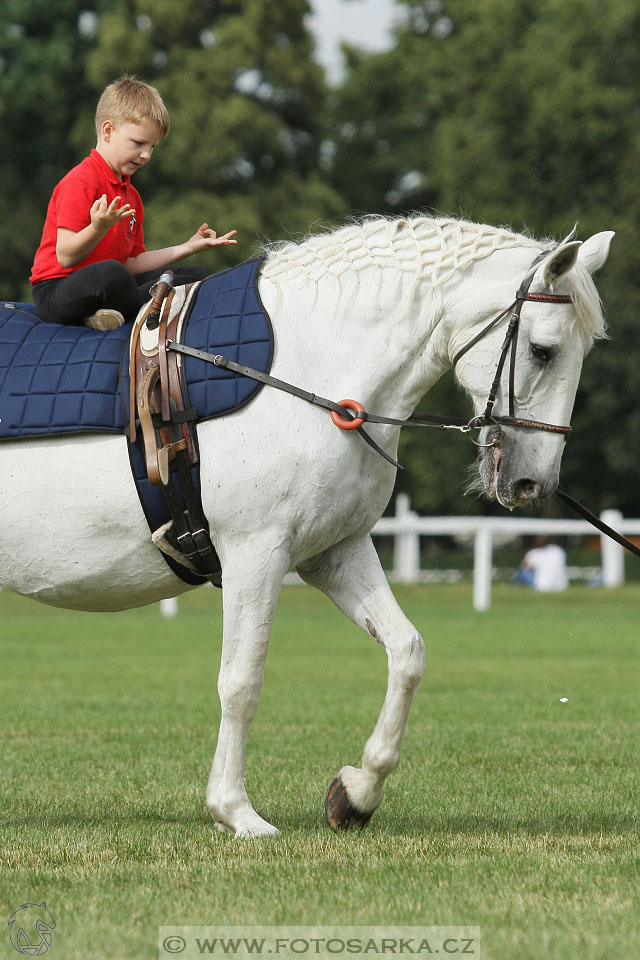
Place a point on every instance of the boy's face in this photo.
(129, 146)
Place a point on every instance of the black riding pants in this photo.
(101, 285)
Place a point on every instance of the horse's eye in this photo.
(544, 354)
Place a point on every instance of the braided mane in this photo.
(421, 246)
(424, 248)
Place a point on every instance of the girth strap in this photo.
(167, 432)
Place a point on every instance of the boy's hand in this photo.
(205, 237)
(104, 216)
(202, 239)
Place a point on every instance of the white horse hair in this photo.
(426, 248)
(374, 311)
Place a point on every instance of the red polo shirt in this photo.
(69, 207)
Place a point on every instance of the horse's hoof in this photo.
(340, 813)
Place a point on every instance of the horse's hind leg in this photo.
(351, 575)
(250, 594)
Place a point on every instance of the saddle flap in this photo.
(156, 387)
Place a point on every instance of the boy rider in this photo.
(92, 266)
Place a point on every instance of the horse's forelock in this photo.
(586, 299)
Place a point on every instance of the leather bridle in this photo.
(488, 418)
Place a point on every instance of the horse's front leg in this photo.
(251, 585)
(351, 575)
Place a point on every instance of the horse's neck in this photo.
(366, 300)
(363, 332)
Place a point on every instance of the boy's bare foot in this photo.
(104, 320)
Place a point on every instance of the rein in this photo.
(339, 411)
(598, 523)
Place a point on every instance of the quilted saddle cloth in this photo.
(62, 379)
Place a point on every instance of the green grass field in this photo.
(510, 810)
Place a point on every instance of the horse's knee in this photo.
(239, 693)
(407, 659)
(238, 703)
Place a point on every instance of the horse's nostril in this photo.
(526, 489)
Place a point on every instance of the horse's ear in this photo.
(595, 250)
(560, 262)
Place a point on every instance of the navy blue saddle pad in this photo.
(61, 379)
(56, 378)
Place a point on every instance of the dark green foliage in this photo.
(246, 102)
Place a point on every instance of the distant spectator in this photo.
(544, 567)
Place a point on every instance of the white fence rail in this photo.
(406, 527)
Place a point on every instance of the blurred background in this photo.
(525, 114)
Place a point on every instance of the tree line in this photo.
(522, 114)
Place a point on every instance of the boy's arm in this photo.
(73, 247)
(203, 239)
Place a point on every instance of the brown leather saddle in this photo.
(166, 429)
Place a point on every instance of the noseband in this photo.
(488, 419)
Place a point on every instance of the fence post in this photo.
(612, 553)
(169, 607)
(406, 544)
(482, 567)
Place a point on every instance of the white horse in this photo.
(376, 312)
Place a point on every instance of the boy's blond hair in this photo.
(131, 101)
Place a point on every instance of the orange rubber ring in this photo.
(348, 424)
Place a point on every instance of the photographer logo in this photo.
(30, 929)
